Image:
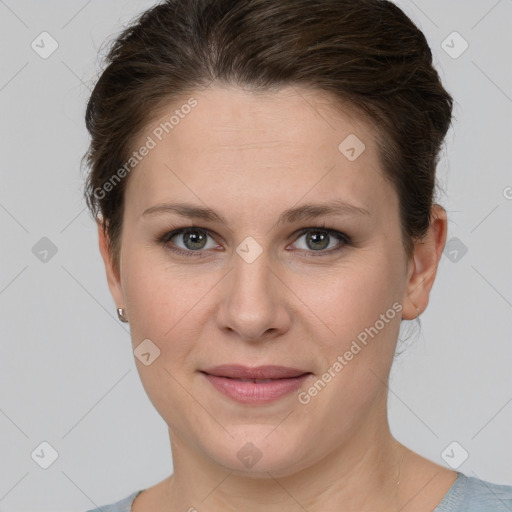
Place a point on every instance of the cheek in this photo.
(363, 310)
(163, 302)
(353, 296)
(162, 297)
(361, 306)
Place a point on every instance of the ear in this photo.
(423, 266)
(113, 276)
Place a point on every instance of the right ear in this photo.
(113, 277)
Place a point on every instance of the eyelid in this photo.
(334, 232)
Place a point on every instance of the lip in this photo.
(236, 371)
(255, 385)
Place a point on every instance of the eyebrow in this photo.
(300, 213)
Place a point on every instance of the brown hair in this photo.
(367, 53)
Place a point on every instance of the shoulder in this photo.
(489, 496)
(125, 505)
(471, 494)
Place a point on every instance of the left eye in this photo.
(194, 240)
(319, 240)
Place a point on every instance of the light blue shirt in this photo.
(467, 494)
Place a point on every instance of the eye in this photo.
(194, 240)
(323, 241)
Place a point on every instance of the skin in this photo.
(249, 157)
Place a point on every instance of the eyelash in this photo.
(168, 236)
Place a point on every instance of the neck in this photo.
(361, 474)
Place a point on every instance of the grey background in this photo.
(67, 372)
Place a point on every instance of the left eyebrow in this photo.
(314, 210)
(300, 213)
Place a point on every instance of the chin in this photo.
(255, 453)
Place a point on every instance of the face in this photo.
(257, 284)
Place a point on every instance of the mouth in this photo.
(256, 385)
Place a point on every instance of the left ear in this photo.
(423, 267)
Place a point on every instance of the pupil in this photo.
(194, 237)
(319, 235)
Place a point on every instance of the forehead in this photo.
(275, 146)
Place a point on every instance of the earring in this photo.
(120, 314)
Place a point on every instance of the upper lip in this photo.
(235, 371)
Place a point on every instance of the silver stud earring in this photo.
(120, 314)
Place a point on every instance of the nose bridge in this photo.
(251, 276)
(251, 305)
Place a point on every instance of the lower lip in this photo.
(247, 392)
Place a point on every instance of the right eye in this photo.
(193, 240)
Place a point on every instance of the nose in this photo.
(253, 303)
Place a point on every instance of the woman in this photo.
(263, 174)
